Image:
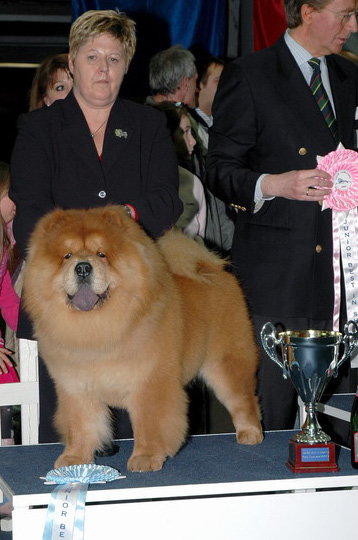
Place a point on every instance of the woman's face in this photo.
(185, 127)
(7, 208)
(98, 70)
(60, 88)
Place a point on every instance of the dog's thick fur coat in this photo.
(125, 321)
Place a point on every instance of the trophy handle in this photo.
(270, 341)
(350, 340)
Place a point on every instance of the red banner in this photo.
(269, 22)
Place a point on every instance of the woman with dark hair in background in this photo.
(52, 81)
(191, 191)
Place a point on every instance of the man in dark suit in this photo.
(268, 131)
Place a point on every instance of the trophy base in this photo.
(312, 458)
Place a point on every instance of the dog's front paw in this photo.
(140, 463)
(65, 460)
(250, 436)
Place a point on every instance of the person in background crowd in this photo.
(209, 72)
(191, 191)
(92, 149)
(52, 81)
(9, 301)
(172, 77)
(171, 74)
(220, 223)
(267, 133)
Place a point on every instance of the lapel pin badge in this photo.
(120, 133)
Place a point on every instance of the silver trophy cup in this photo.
(309, 358)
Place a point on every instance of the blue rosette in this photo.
(83, 474)
(66, 511)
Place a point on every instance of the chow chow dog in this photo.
(125, 321)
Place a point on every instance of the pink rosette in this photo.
(342, 165)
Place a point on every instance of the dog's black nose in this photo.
(83, 269)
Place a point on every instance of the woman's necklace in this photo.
(93, 133)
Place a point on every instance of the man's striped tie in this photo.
(321, 96)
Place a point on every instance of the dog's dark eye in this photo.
(68, 256)
(100, 254)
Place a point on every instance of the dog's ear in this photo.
(51, 222)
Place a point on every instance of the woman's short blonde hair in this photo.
(94, 23)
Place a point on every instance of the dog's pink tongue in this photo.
(84, 299)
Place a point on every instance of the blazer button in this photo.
(302, 151)
(318, 248)
(102, 194)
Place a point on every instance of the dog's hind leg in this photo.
(84, 425)
(234, 383)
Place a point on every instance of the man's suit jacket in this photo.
(266, 120)
(55, 164)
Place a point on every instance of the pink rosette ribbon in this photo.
(342, 165)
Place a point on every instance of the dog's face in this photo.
(86, 276)
(83, 255)
(79, 258)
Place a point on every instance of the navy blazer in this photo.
(55, 164)
(283, 252)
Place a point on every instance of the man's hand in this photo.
(306, 185)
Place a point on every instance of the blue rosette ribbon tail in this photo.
(66, 511)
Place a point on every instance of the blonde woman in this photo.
(91, 149)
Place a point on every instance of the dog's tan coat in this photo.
(170, 312)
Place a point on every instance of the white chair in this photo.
(26, 392)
